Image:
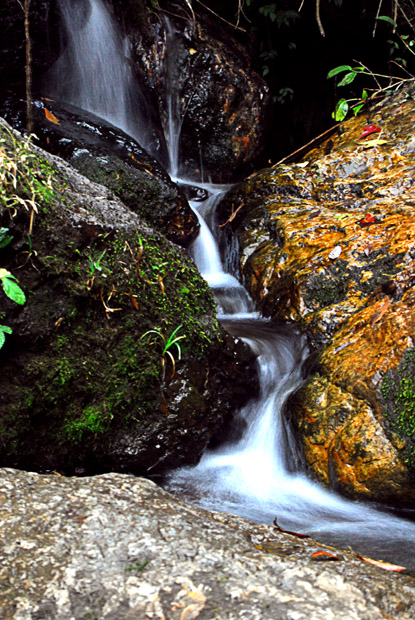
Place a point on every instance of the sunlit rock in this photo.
(328, 242)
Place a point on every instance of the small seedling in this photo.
(167, 343)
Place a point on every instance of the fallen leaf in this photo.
(324, 556)
(377, 142)
(380, 564)
(335, 253)
(51, 117)
(367, 220)
(135, 302)
(368, 130)
(379, 314)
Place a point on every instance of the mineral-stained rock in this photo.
(86, 381)
(328, 242)
(118, 547)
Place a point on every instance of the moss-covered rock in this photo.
(86, 382)
(328, 242)
(109, 157)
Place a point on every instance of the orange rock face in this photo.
(329, 242)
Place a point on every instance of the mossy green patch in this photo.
(398, 392)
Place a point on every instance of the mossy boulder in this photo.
(328, 242)
(89, 379)
(108, 156)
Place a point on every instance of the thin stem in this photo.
(320, 25)
(376, 18)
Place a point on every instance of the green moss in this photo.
(398, 392)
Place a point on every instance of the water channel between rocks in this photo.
(258, 476)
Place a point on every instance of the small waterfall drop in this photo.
(93, 71)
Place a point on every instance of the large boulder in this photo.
(328, 242)
(118, 547)
(91, 377)
(108, 156)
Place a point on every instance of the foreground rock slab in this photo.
(119, 547)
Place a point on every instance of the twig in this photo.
(376, 18)
(320, 25)
(305, 146)
(222, 18)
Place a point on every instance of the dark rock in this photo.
(108, 156)
(222, 104)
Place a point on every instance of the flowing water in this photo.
(260, 475)
(94, 69)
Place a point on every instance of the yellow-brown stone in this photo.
(330, 243)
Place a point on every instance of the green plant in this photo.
(95, 265)
(15, 293)
(25, 180)
(167, 343)
(343, 105)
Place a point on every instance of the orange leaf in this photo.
(383, 308)
(135, 302)
(51, 117)
(385, 565)
(324, 555)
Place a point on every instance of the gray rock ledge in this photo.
(118, 547)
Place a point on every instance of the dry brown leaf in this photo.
(51, 117)
(384, 565)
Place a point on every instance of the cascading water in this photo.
(258, 476)
(94, 73)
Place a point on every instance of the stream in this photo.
(259, 476)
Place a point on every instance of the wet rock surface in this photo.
(222, 104)
(115, 546)
(84, 385)
(106, 155)
(328, 242)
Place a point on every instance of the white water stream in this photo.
(258, 476)
(94, 71)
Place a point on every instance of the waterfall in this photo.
(93, 71)
(260, 475)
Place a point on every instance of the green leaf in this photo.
(338, 70)
(4, 237)
(4, 329)
(13, 290)
(356, 108)
(348, 78)
(385, 18)
(365, 95)
(341, 110)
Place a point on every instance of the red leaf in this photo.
(367, 220)
(368, 130)
(385, 565)
(324, 555)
